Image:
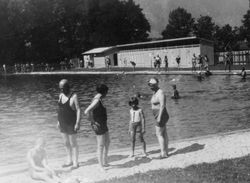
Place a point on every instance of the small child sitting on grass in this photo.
(136, 125)
(39, 168)
(38, 165)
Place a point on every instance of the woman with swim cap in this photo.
(97, 115)
(158, 104)
(69, 122)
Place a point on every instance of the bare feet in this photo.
(67, 164)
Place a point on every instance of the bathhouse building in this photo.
(144, 53)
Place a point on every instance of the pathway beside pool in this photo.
(144, 72)
(183, 153)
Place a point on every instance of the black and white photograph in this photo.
(124, 91)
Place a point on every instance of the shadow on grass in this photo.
(188, 149)
(132, 163)
(95, 161)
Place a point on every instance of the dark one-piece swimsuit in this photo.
(100, 117)
(66, 117)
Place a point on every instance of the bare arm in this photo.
(90, 108)
(46, 166)
(162, 100)
(78, 112)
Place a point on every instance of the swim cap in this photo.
(64, 85)
(153, 81)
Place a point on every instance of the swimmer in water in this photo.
(200, 76)
(38, 165)
(208, 73)
(176, 93)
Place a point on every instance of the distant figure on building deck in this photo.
(158, 62)
(4, 69)
(194, 63)
(228, 61)
(107, 63)
(178, 61)
(166, 62)
(133, 64)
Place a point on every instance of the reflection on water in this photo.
(29, 103)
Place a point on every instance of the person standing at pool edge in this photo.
(97, 115)
(69, 122)
(158, 104)
(136, 125)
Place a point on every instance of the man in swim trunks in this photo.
(69, 122)
(158, 104)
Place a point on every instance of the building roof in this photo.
(152, 44)
(98, 50)
(165, 40)
(165, 43)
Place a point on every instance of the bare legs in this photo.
(45, 176)
(71, 148)
(133, 138)
(161, 133)
(102, 148)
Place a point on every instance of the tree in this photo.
(245, 30)
(204, 27)
(49, 30)
(180, 24)
(114, 22)
(225, 38)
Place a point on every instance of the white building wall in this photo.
(145, 57)
(99, 62)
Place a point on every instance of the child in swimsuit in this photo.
(136, 125)
(38, 165)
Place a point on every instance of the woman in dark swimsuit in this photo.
(97, 115)
(69, 122)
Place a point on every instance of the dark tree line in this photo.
(182, 24)
(50, 30)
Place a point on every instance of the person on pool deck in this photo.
(243, 73)
(69, 122)
(158, 104)
(176, 93)
(97, 114)
(38, 165)
(136, 125)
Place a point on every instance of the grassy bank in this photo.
(228, 171)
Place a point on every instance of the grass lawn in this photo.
(228, 171)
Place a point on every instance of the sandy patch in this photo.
(184, 153)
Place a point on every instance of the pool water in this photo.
(28, 109)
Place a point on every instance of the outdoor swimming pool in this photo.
(29, 104)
